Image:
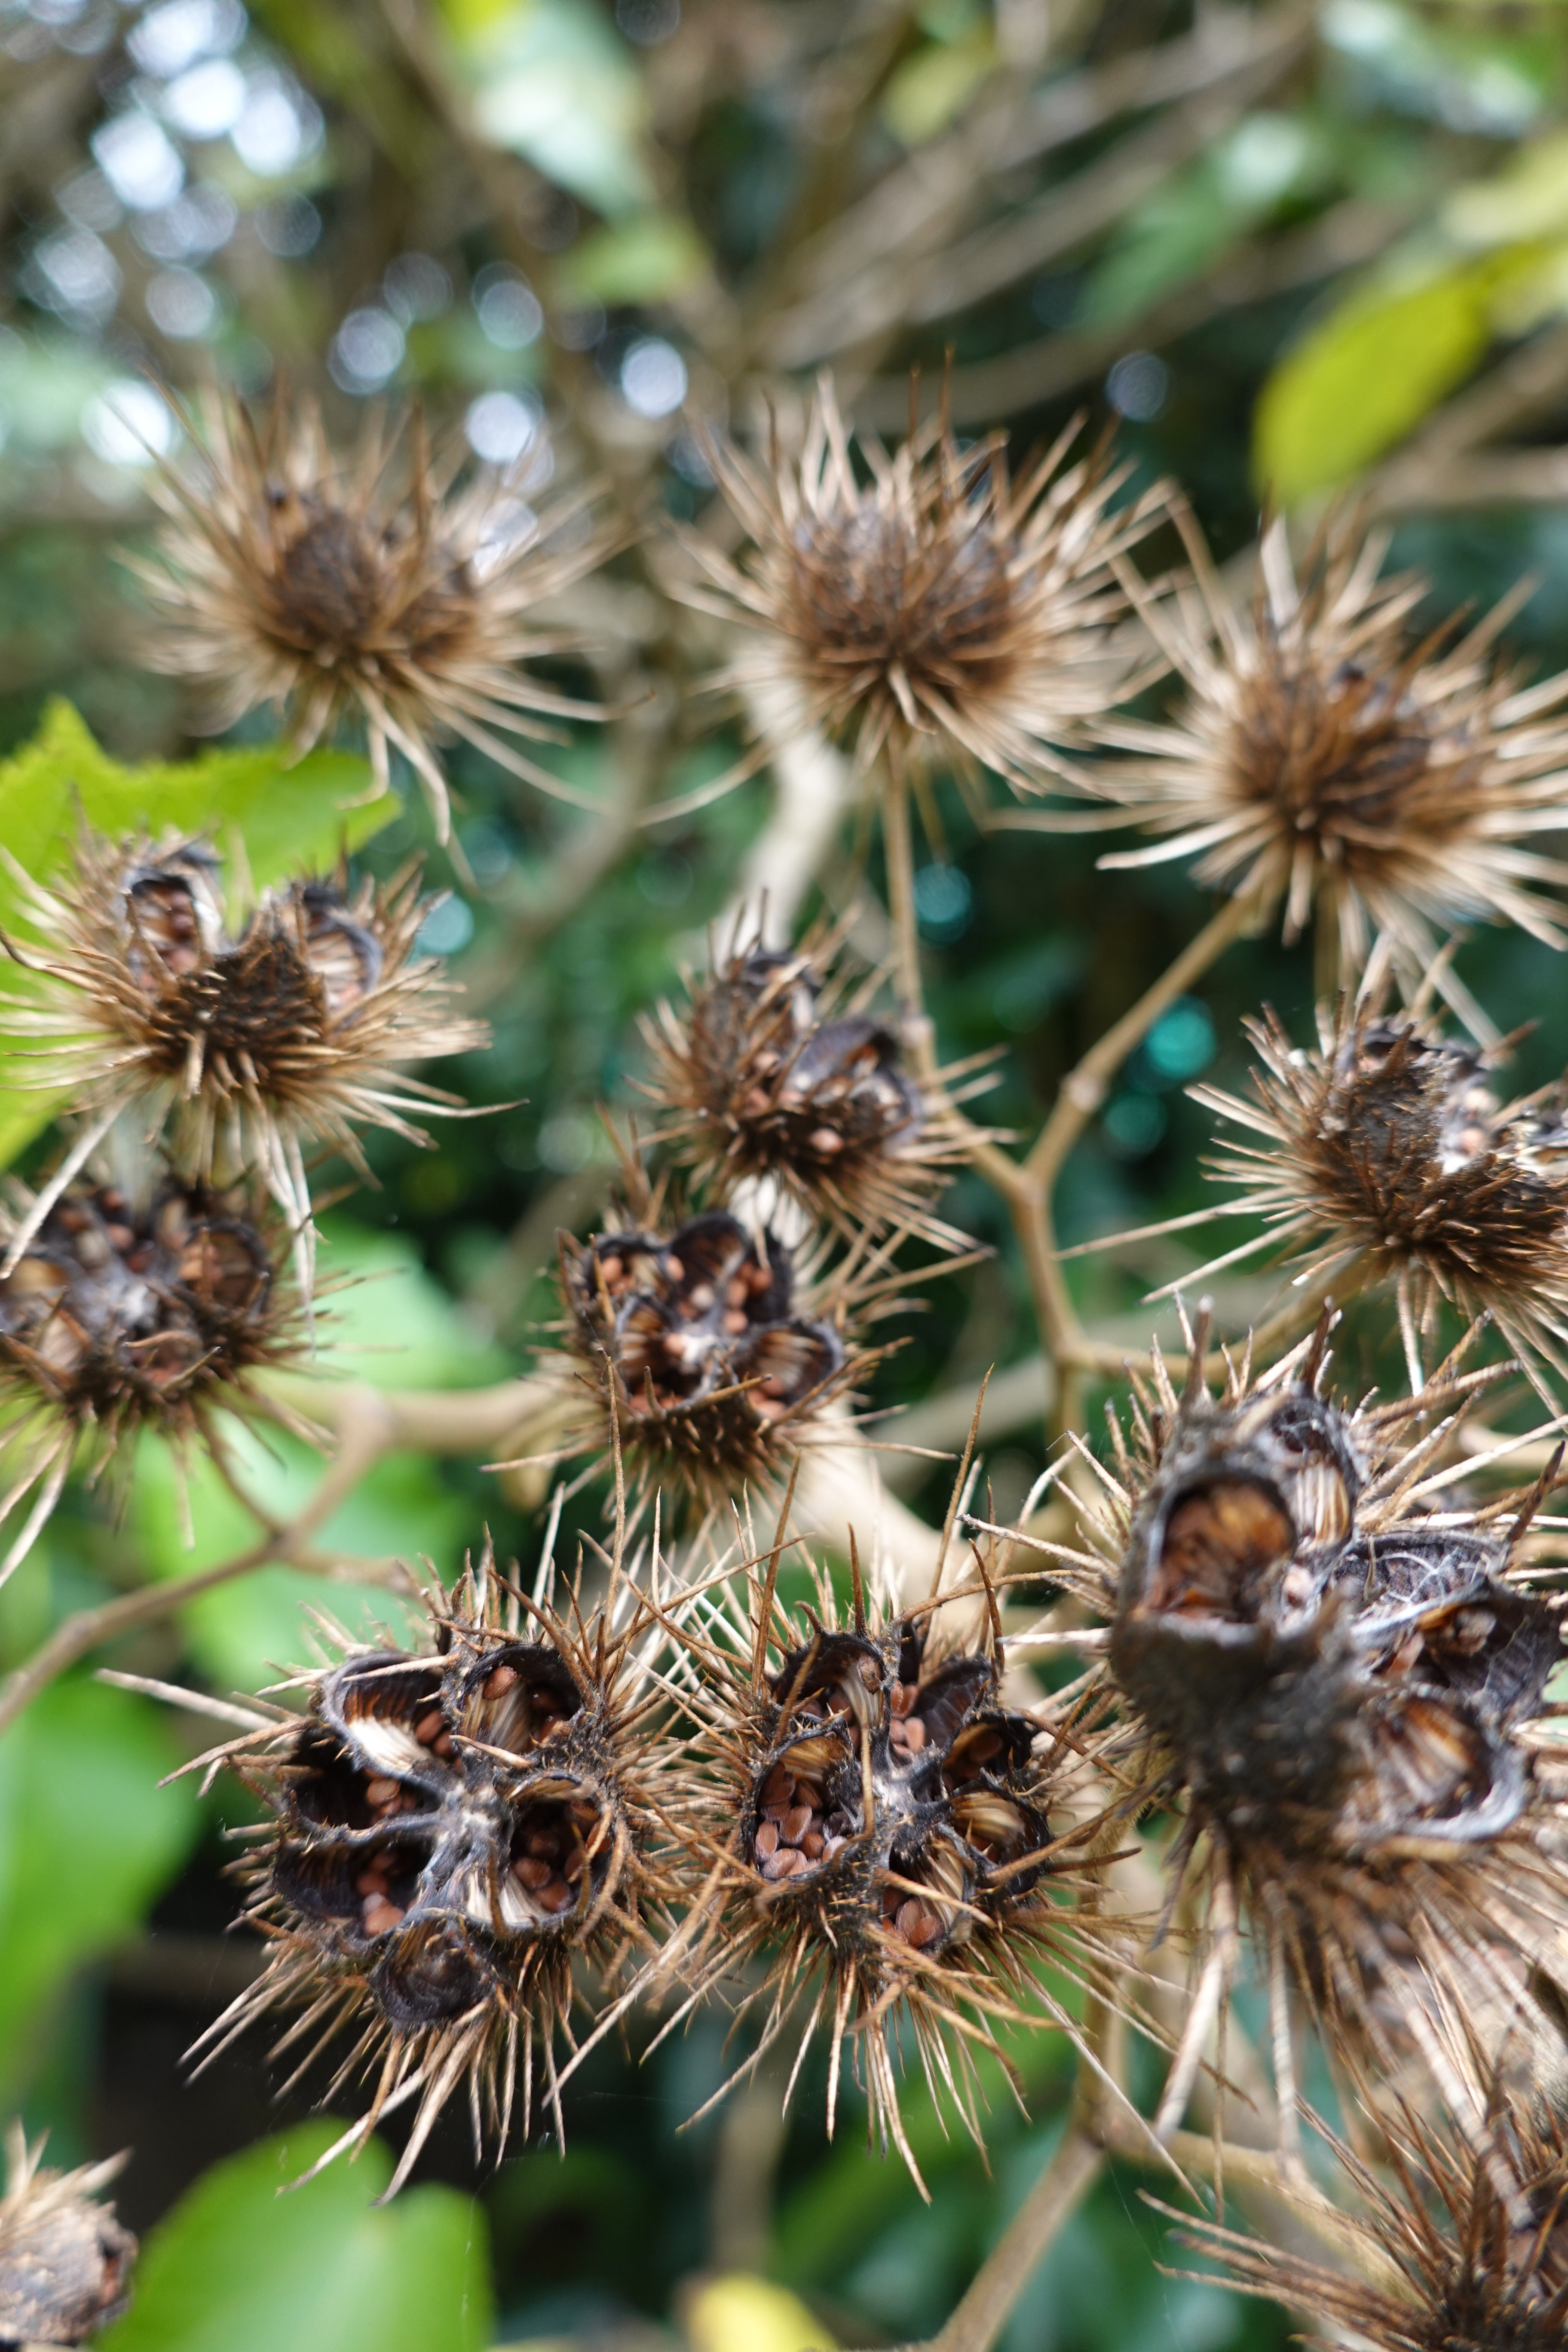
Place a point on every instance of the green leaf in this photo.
(550, 80)
(278, 815)
(929, 88)
(742, 2314)
(1363, 378)
(237, 2267)
(642, 260)
(87, 1840)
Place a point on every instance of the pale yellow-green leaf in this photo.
(742, 2314)
(643, 260)
(929, 88)
(549, 80)
(1529, 198)
(1355, 386)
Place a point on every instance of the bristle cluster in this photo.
(324, 586)
(881, 1828)
(777, 1070)
(449, 1834)
(937, 612)
(65, 2261)
(1329, 757)
(1385, 1156)
(241, 1047)
(693, 1347)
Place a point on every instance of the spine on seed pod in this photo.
(459, 1845)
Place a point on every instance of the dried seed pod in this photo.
(1339, 1686)
(775, 1069)
(1383, 1156)
(939, 610)
(248, 1049)
(450, 1834)
(65, 2261)
(122, 1315)
(879, 1829)
(1327, 758)
(326, 587)
(715, 1376)
(1448, 2262)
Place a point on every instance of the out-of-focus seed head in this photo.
(935, 610)
(122, 1315)
(65, 2261)
(451, 1833)
(245, 1048)
(1447, 2260)
(693, 1340)
(326, 585)
(881, 1828)
(1326, 758)
(1385, 1156)
(776, 1069)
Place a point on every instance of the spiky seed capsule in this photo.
(1384, 1155)
(286, 576)
(712, 1374)
(122, 1315)
(451, 1833)
(876, 1826)
(247, 1046)
(1343, 1684)
(939, 611)
(767, 1073)
(1327, 758)
(65, 2261)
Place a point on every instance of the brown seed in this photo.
(911, 1914)
(927, 1930)
(766, 1841)
(380, 1915)
(734, 1321)
(499, 1680)
(442, 1747)
(544, 1841)
(806, 1792)
(778, 1789)
(531, 1874)
(380, 1793)
(429, 1727)
(795, 1825)
(988, 1745)
(783, 1865)
(674, 1268)
(904, 1699)
(914, 1733)
(737, 1290)
(825, 1141)
(611, 1267)
(557, 1896)
(370, 1882)
(813, 1845)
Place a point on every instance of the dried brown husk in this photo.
(1386, 1157)
(715, 1349)
(460, 1851)
(777, 1070)
(1339, 1684)
(924, 605)
(1441, 2260)
(325, 584)
(65, 2261)
(935, 1830)
(1329, 757)
(243, 1048)
(125, 1314)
